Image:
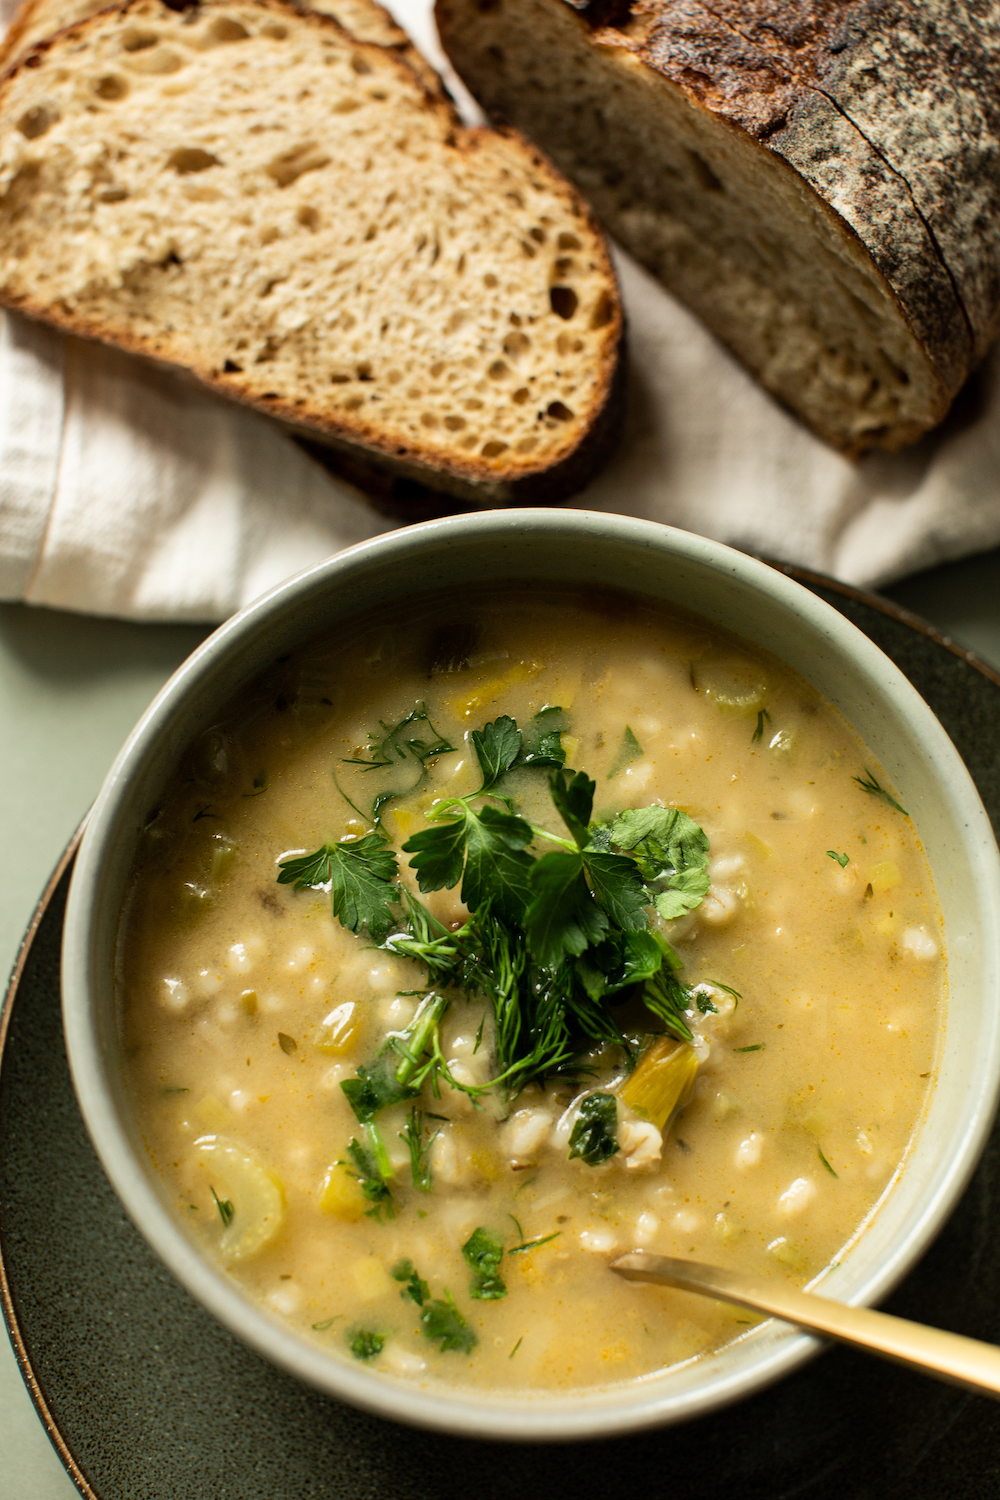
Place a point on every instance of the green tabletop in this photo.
(70, 690)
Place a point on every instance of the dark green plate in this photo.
(145, 1396)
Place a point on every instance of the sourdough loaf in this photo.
(250, 193)
(818, 179)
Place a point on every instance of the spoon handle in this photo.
(949, 1356)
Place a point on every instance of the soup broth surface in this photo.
(452, 1236)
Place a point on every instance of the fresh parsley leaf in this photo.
(705, 1002)
(842, 859)
(418, 1291)
(375, 1087)
(619, 889)
(628, 750)
(542, 746)
(574, 800)
(671, 852)
(438, 854)
(496, 866)
(394, 744)
(362, 876)
(592, 1138)
(620, 961)
(563, 918)
(483, 1252)
(364, 1344)
(868, 784)
(442, 1321)
(497, 747)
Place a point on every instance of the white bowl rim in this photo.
(609, 1411)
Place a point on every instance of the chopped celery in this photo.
(662, 1080)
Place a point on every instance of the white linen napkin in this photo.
(125, 490)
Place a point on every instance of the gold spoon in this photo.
(948, 1356)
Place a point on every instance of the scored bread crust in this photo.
(730, 143)
(247, 192)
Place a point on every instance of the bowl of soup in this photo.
(508, 893)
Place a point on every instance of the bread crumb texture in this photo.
(719, 143)
(251, 192)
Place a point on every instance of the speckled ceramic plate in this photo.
(144, 1395)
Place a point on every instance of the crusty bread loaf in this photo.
(818, 179)
(248, 192)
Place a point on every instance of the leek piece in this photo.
(238, 1175)
(662, 1080)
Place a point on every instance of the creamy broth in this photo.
(812, 971)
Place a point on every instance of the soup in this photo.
(476, 946)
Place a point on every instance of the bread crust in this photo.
(825, 87)
(352, 446)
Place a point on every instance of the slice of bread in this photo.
(818, 179)
(365, 19)
(248, 192)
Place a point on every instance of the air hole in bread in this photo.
(473, 404)
(37, 121)
(290, 165)
(516, 344)
(225, 29)
(275, 31)
(364, 371)
(113, 195)
(527, 445)
(564, 265)
(339, 378)
(703, 172)
(604, 311)
(191, 159)
(454, 423)
(138, 41)
(490, 281)
(493, 448)
(110, 88)
(230, 367)
(160, 61)
(568, 241)
(354, 403)
(521, 396)
(498, 370)
(360, 64)
(566, 344)
(537, 234)
(308, 217)
(428, 419)
(529, 249)
(559, 412)
(563, 300)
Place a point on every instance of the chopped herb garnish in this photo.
(757, 1047)
(259, 785)
(373, 1176)
(287, 1043)
(628, 750)
(672, 854)
(365, 1344)
(842, 859)
(763, 717)
(444, 1325)
(819, 1151)
(483, 1252)
(534, 1244)
(171, 1090)
(419, 1149)
(868, 784)
(413, 1287)
(326, 1323)
(361, 874)
(227, 1212)
(592, 1138)
(516, 1347)
(542, 744)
